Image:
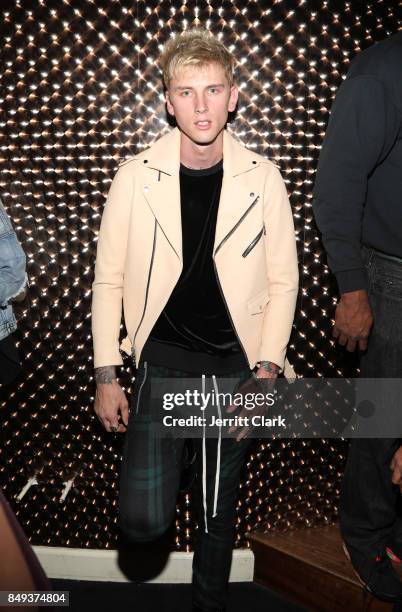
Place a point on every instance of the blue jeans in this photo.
(368, 515)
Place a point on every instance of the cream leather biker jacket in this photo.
(139, 251)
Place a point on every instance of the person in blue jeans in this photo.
(13, 282)
(358, 208)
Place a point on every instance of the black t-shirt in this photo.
(194, 332)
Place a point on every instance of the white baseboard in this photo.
(101, 565)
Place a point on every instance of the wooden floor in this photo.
(309, 567)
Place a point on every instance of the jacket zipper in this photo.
(146, 294)
(228, 311)
(142, 384)
(216, 272)
(252, 244)
(237, 224)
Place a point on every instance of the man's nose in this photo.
(200, 105)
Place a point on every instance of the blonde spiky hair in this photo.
(195, 47)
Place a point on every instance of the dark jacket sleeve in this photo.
(362, 129)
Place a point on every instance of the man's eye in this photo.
(185, 92)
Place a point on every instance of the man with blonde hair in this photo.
(197, 241)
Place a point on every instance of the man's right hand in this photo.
(110, 400)
(353, 320)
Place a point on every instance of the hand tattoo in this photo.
(106, 374)
(268, 366)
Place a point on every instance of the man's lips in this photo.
(203, 124)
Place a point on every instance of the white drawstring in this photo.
(218, 450)
(204, 471)
(218, 456)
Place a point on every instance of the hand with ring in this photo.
(260, 383)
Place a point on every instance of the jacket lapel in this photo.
(162, 190)
(236, 194)
(162, 186)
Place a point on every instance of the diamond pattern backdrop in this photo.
(80, 90)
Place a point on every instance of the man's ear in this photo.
(234, 96)
(169, 105)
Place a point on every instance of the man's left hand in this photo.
(262, 381)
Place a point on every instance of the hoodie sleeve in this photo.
(363, 127)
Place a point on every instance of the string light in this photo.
(81, 91)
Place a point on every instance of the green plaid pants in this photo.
(149, 486)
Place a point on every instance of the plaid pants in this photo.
(149, 486)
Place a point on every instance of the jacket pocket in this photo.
(257, 304)
(253, 243)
